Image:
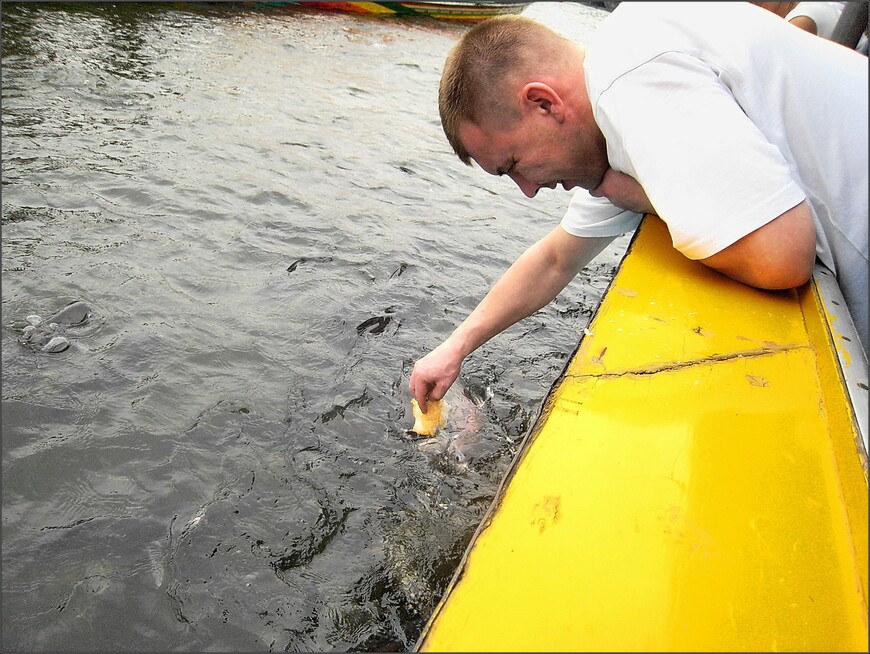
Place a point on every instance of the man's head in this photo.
(513, 98)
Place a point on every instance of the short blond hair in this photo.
(478, 67)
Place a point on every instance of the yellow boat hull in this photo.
(696, 481)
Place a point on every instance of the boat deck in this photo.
(697, 480)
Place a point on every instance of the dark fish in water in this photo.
(45, 337)
(74, 313)
(373, 325)
(48, 335)
(398, 271)
(56, 344)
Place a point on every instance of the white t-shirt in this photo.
(824, 14)
(728, 117)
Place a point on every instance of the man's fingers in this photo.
(420, 391)
(436, 393)
(425, 392)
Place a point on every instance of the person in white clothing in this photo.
(816, 17)
(841, 22)
(746, 136)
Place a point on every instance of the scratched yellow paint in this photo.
(677, 310)
(701, 493)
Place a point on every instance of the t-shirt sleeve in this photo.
(824, 14)
(708, 170)
(596, 217)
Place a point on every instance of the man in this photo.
(748, 137)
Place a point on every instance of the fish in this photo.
(56, 344)
(459, 427)
(74, 313)
(48, 335)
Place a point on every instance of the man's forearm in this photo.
(533, 281)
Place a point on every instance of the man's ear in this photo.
(540, 97)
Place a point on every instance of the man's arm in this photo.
(777, 255)
(533, 280)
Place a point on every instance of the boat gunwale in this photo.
(850, 354)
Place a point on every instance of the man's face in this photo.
(538, 153)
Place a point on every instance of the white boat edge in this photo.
(850, 353)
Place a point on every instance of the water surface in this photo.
(260, 208)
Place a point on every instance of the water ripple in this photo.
(259, 205)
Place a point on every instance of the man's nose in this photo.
(529, 189)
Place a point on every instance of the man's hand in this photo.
(435, 373)
(534, 279)
(623, 191)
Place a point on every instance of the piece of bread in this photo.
(426, 424)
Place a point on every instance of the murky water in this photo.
(260, 209)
